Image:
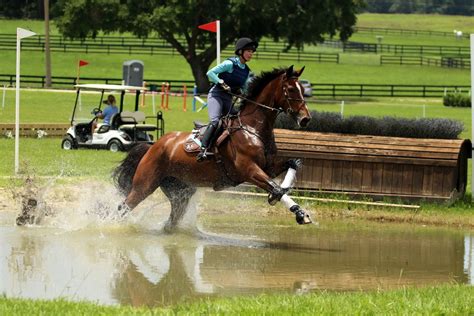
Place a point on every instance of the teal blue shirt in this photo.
(225, 66)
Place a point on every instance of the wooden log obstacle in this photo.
(33, 129)
(375, 166)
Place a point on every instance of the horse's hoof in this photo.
(20, 221)
(272, 199)
(123, 211)
(302, 218)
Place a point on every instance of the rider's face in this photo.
(247, 54)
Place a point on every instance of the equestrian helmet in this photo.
(243, 44)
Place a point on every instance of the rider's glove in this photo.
(225, 87)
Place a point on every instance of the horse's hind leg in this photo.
(179, 194)
(143, 185)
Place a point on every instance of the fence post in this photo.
(185, 95)
(194, 99)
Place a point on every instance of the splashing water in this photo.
(93, 204)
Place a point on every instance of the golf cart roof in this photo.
(111, 87)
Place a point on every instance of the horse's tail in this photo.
(123, 174)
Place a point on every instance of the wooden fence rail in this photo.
(449, 62)
(333, 90)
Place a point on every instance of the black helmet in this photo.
(245, 43)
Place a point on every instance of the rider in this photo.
(229, 76)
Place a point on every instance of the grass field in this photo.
(444, 300)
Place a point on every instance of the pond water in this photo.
(135, 263)
(117, 265)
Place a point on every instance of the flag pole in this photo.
(472, 116)
(20, 33)
(78, 71)
(218, 41)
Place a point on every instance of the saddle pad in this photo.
(193, 143)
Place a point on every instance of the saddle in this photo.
(193, 142)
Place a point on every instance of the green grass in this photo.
(448, 299)
(431, 22)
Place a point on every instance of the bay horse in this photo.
(247, 154)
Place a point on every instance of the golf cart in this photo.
(126, 128)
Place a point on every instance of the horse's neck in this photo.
(262, 119)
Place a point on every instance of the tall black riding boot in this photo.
(206, 142)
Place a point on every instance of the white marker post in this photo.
(3, 99)
(20, 33)
(472, 116)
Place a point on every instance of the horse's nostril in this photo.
(304, 121)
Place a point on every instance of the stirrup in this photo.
(202, 155)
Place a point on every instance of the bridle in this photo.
(288, 111)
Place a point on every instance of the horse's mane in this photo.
(258, 83)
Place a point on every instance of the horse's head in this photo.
(292, 100)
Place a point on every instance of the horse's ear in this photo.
(289, 72)
(301, 71)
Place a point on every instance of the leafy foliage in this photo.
(457, 99)
(331, 122)
(176, 21)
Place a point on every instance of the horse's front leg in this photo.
(290, 166)
(278, 192)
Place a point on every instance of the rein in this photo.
(279, 110)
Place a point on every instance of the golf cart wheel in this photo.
(68, 143)
(115, 145)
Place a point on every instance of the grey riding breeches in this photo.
(219, 103)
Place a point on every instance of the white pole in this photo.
(218, 41)
(17, 104)
(342, 109)
(153, 93)
(4, 93)
(80, 103)
(472, 115)
(20, 33)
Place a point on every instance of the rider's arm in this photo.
(225, 66)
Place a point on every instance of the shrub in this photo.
(457, 99)
(331, 122)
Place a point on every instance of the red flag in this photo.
(211, 26)
(83, 63)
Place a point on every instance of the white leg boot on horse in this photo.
(301, 216)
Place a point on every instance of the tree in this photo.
(297, 22)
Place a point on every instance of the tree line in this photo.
(33, 9)
(448, 7)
